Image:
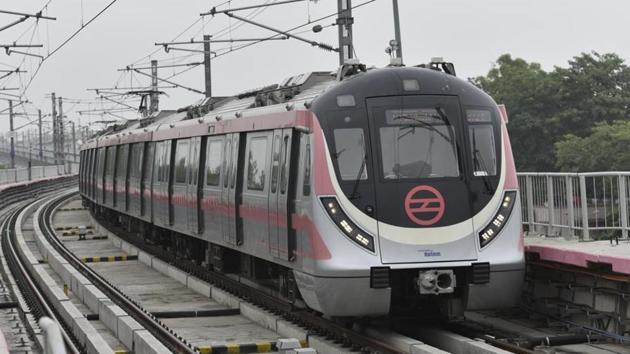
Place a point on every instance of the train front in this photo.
(417, 198)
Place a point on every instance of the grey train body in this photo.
(391, 187)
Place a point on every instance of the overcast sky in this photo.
(472, 34)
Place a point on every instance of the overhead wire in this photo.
(74, 34)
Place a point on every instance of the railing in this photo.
(586, 205)
(14, 175)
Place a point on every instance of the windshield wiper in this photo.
(355, 193)
(479, 161)
(424, 125)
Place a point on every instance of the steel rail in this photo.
(144, 317)
(29, 289)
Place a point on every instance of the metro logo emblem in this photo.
(424, 205)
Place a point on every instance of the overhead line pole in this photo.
(62, 146)
(41, 147)
(207, 62)
(344, 24)
(155, 96)
(397, 31)
(55, 127)
(12, 134)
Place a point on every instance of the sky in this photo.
(471, 34)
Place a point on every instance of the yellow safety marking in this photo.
(263, 347)
(233, 348)
(304, 343)
(205, 350)
(65, 289)
(120, 351)
(111, 258)
(96, 259)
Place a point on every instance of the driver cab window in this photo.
(482, 142)
(350, 153)
(418, 143)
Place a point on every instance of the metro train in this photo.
(360, 192)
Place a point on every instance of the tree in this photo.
(546, 106)
(527, 91)
(605, 149)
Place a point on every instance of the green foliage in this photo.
(606, 148)
(545, 107)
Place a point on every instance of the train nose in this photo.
(436, 281)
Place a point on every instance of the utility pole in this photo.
(206, 64)
(12, 134)
(397, 32)
(74, 144)
(154, 106)
(61, 140)
(54, 132)
(344, 22)
(39, 126)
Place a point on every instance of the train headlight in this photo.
(491, 230)
(350, 229)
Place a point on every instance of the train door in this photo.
(146, 186)
(231, 192)
(282, 242)
(421, 193)
(255, 204)
(162, 195)
(179, 185)
(192, 191)
(213, 207)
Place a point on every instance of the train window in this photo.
(285, 162)
(350, 153)
(111, 159)
(483, 150)
(213, 162)
(256, 163)
(417, 143)
(226, 159)
(181, 154)
(121, 163)
(275, 163)
(193, 162)
(148, 161)
(306, 185)
(234, 162)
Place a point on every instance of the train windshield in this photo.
(417, 143)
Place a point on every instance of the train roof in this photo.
(294, 93)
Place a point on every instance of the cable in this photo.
(80, 29)
(292, 29)
(65, 42)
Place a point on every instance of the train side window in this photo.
(121, 163)
(285, 162)
(181, 154)
(158, 161)
(111, 162)
(256, 158)
(483, 150)
(227, 156)
(350, 153)
(306, 185)
(275, 163)
(234, 162)
(213, 162)
(147, 170)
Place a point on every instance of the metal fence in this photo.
(586, 205)
(36, 172)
